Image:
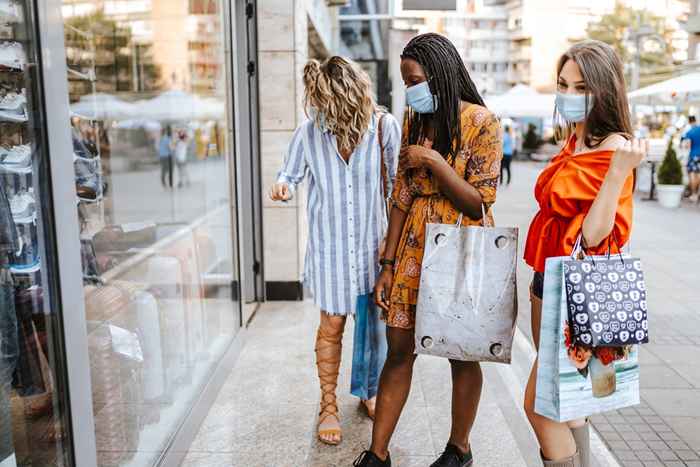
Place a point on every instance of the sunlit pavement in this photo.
(665, 429)
(266, 413)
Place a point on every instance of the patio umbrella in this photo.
(684, 88)
(175, 105)
(102, 106)
(521, 101)
(171, 105)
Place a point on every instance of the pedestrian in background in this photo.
(449, 166)
(165, 156)
(348, 151)
(181, 146)
(692, 137)
(508, 149)
(587, 190)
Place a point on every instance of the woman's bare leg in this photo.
(394, 387)
(556, 440)
(466, 392)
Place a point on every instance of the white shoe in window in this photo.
(13, 107)
(12, 53)
(16, 157)
(22, 205)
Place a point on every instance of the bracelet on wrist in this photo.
(387, 262)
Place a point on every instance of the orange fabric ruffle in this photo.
(565, 191)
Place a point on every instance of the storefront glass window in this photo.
(148, 91)
(33, 427)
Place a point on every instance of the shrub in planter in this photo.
(670, 171)
(531, 142)
(670, 178)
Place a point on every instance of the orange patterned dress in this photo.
(416, 193)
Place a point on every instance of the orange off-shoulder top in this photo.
(565, 191)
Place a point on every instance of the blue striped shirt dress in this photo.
(346, 214)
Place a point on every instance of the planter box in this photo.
(670, 195)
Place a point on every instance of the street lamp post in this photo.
(638, 37)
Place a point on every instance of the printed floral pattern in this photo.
(416, 193)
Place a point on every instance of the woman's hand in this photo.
(280, 192)
(628, 157)
(382, 289)
(418, 157)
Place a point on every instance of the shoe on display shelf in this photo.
(27, 257)
(16, 157)
(12, 54)
(83, 149)
(13, 107)
(22, 205)
(26, 269)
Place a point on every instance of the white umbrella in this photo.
(522, 101)
(178, 105)
(170, 105)
(210, 108)
(684, 88)
(101, 106)
(149, 125)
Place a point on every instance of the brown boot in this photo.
(573, 461)
(328, 351)
(582, 436)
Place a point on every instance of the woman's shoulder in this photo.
(387, 119)
(612, 142)
(477, 116)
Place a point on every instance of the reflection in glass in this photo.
(32, 380)
(147, 87)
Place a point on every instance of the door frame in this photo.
(70, 296)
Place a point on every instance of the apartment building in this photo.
(692, 27)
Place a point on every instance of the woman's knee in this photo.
(331, 326)
(400, 347)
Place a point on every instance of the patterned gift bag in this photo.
(575, 381)
(607, 301)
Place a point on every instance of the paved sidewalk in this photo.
(265, 415)
(665, 429)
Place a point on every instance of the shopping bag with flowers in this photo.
(575, 380)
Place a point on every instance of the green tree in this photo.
(670, 171)
(614, 29)
(531, 142)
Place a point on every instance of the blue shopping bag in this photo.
(369, 349)
(575, 381)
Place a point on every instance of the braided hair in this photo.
(449, 80)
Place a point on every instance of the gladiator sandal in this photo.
(328, 350)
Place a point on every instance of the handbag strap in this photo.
(382, 169)
(578, 251)
(483, 216)
(380, 132)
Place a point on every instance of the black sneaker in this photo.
(370, 459)
(452, 457)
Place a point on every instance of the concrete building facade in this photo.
(289, 33)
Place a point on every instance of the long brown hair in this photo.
(342, 92)
(603, 74)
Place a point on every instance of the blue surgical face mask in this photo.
(573, 106)
(420, 99)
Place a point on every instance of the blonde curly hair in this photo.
(340, 92)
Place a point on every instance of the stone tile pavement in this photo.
(266, 413)
(665, 429)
